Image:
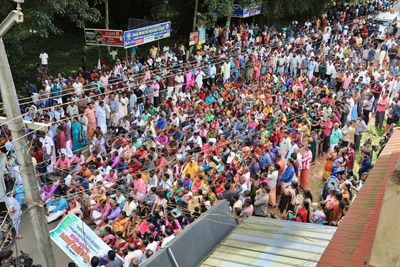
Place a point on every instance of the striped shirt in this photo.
(307, 157)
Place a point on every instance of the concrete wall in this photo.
(194, 243)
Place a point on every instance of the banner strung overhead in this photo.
(103, 37)
(194, 38)
(202, 35)
(240, 11)
(147, 34)
(78, 241)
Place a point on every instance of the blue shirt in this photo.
(287, 175)
(365, 165)
(114, 213)
(61, 204)
(209, 100)
(55, 90)
(265, 160)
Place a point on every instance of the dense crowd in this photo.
(141, 148)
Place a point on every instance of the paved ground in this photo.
(28, 245)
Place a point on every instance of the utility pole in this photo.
(191, 48)
(196, 4)
(107, 18)
(17, 128)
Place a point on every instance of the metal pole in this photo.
(107, 19)
(172, 257)
(191, 48)
(16, 126)
(195, 15)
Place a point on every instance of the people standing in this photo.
(272, 179)
(365, 163)
(101, 117)
(382, 104)
(285, 145)
(367, 106)
(347, 132)
(44, 57)
(306, 166)
(360, 128)
(78, 135)
(335, 137)
(14, 211)
(261, 201)
(91, 118)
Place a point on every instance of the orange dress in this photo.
(328, 168)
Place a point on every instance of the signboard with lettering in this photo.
(147, 34)
(103, 37)
(194, 38)
(240, 11)
(202, 35)
(78, 241)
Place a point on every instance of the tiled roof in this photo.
(352, 243)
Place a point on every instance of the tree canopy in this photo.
(44, 19)
(40, 17)
(293, 9)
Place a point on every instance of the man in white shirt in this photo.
(104, 79)
(14, 211)
(285, 146)
(175, 121)
(196, 139)
(101, 117)
(134, 255)
(78, 87)
(179, 79)
(48, 145)
(72, 108)
(165, 183)
(226, 71)
(114, 54)
(44, 59)
(168, 239)
(152, 244)
(130, 206)
(347, 133)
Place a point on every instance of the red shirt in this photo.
(61, 140)
(39, 155)
(202, 95)
(219, 190)
(302, 215)
(135, 166)
(335, 119)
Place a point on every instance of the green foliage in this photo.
(212, 10)
(162, 9)
(293, 9)
(40, 17)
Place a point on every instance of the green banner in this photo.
(78, 241)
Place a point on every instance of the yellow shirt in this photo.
(284, 118)
(327, 91)
(191, 168)
(268, 110)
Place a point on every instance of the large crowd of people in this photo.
(141, 148)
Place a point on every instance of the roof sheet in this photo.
(270, 242)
